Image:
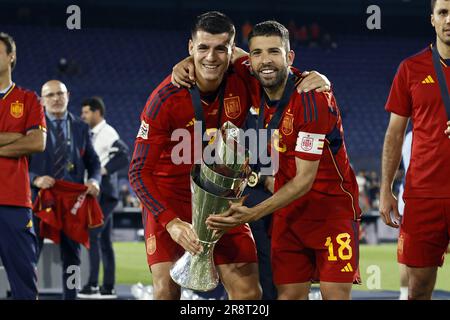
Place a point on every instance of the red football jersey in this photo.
(415, 93)
(153, 175)
(20, 111)
(66, 207)
(311, 129)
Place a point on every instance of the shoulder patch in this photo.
(143, 130)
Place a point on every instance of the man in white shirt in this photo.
(406, 157)
(113, 154)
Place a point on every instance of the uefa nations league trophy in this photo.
(213, 187)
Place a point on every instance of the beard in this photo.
(272, 84)
(444, 39)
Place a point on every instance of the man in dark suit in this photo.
(113, 154)
(68, 155)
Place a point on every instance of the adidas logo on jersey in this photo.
(347, 268)
(428, 79)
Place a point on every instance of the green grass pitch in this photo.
(131, 265)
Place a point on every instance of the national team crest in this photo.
(16, 109)
(307, 143)
(287, 126)
(151, 244)
(232, 107)
(400, 245)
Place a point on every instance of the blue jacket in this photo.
(82, 155)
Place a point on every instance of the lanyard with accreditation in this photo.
(198, 109)
(274, 122)
(441, 79)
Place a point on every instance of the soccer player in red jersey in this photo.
(163, 183)
(415, 93)
(315, 224)
(22, 132)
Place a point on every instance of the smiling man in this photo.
(163, 186)
(416, 94)
(315, 224)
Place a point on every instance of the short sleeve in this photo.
(36, 116)
(399, 100)
(311, 134)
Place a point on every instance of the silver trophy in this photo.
(213, 187)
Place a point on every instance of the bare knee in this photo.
(293, 291)
(164, 288)
(421, 283)
(419, 291)
(293, 295)
(251, 291)
(420, 288)
(241, 281)
(337, 291)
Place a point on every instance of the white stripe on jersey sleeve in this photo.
(310, 143)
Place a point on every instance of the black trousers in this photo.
(101, 246)
(70, 257)
(260, 232)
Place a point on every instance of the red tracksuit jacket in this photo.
(66, 207)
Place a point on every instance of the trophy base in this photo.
(196, 272)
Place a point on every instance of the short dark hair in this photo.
(10, 46)
(271, 28)
(95, 103)
(213, 22)
(433, 4)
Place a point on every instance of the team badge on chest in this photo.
(16, 109)
(287, 126)
(232, 107)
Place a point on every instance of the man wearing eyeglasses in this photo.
(67, 157)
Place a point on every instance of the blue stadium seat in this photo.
(124, 66)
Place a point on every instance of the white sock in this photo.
(403, 293)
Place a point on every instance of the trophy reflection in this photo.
(213, 186)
